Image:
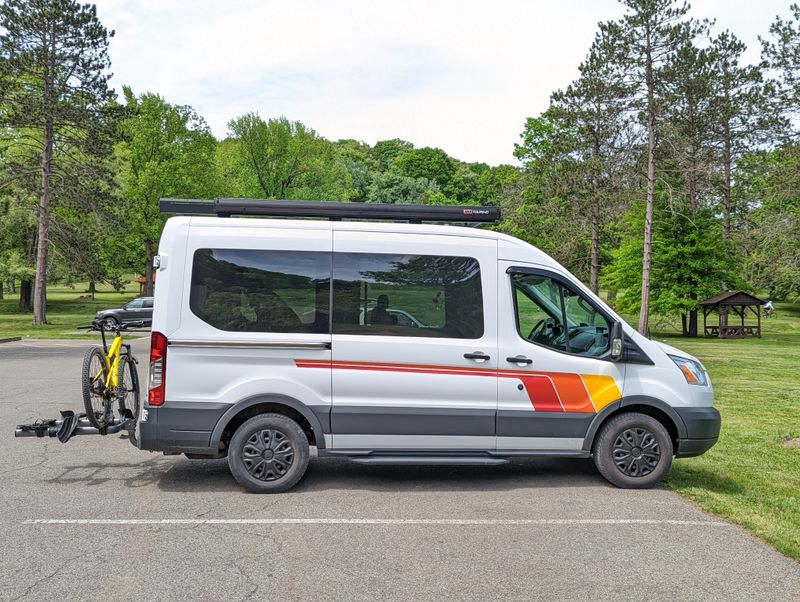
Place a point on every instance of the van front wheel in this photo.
(633, 451)
(268, 453)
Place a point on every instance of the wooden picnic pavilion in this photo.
(739, 303)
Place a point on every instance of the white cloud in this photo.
(461, 75)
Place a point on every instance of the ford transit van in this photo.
(399, 343)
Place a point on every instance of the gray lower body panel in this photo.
(180, 426)
(377, 420)
(524, 423)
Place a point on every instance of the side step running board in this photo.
(428, 460)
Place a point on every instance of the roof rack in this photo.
(331, 210)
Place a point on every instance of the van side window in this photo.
(407, 295)
(552, 315)
(245, 290)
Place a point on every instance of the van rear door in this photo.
(255, 309)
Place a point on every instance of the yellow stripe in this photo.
(602, 389)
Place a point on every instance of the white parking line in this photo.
(370, 521)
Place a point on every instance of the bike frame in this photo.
(111, 357)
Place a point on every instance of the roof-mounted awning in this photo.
(332, 210)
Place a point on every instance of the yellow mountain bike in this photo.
(109, 374)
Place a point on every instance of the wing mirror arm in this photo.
(617, 341)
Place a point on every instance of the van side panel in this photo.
(415, 392)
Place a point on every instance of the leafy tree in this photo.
(391, 187)
(492, 182)
(361, 165)
(386, 152)
(167, 151)
(689, 262)
(53, 70)
(288, 160)
(770, 180)
(429, 163)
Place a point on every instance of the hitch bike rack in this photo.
(71, 424)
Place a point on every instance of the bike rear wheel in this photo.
(96, 399)
(128, 387)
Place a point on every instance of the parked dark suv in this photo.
(140, 308)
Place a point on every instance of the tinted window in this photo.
(544, 306)
(135, 304)
(148, 303)
(261, 291)
(407, 295)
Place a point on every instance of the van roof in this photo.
(526, 252)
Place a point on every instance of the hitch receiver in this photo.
(72, 424)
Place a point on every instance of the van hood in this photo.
(670, 350)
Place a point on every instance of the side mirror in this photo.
(617, 341)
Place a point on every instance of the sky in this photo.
(460, 75)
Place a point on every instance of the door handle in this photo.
(477, 355)
(520, 359)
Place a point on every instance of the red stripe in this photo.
(548, 391)
(542, 393)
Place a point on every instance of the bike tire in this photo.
(128, 387)
(96, 399)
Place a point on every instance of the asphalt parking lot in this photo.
(98, 518)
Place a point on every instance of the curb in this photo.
(10, 339)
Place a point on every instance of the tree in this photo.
(770, 181)
(598, 137)
(167, 151)
(386, 152)
(740, 112)
(642, 44)
(53, 69)
(391, 187)
(781, 55)
(689, 261)
(288, 160)
(429, 163)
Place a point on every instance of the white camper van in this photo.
(398, 343)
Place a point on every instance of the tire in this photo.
(128, 387)
(273, 433)
(96, 399)
(110, 323)
(633, 451)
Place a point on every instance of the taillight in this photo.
(158, 369)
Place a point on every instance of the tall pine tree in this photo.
(54, 73)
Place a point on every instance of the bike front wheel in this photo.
(96, 398)
(128, 387)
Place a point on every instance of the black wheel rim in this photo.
(127, 392)
(268, 454)
(636, 452)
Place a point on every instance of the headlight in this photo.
(693, 371)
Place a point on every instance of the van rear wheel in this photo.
(633, 451)
(268, 453)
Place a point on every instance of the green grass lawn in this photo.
(751, 477)
(64, 311)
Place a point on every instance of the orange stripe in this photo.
(572, 392)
